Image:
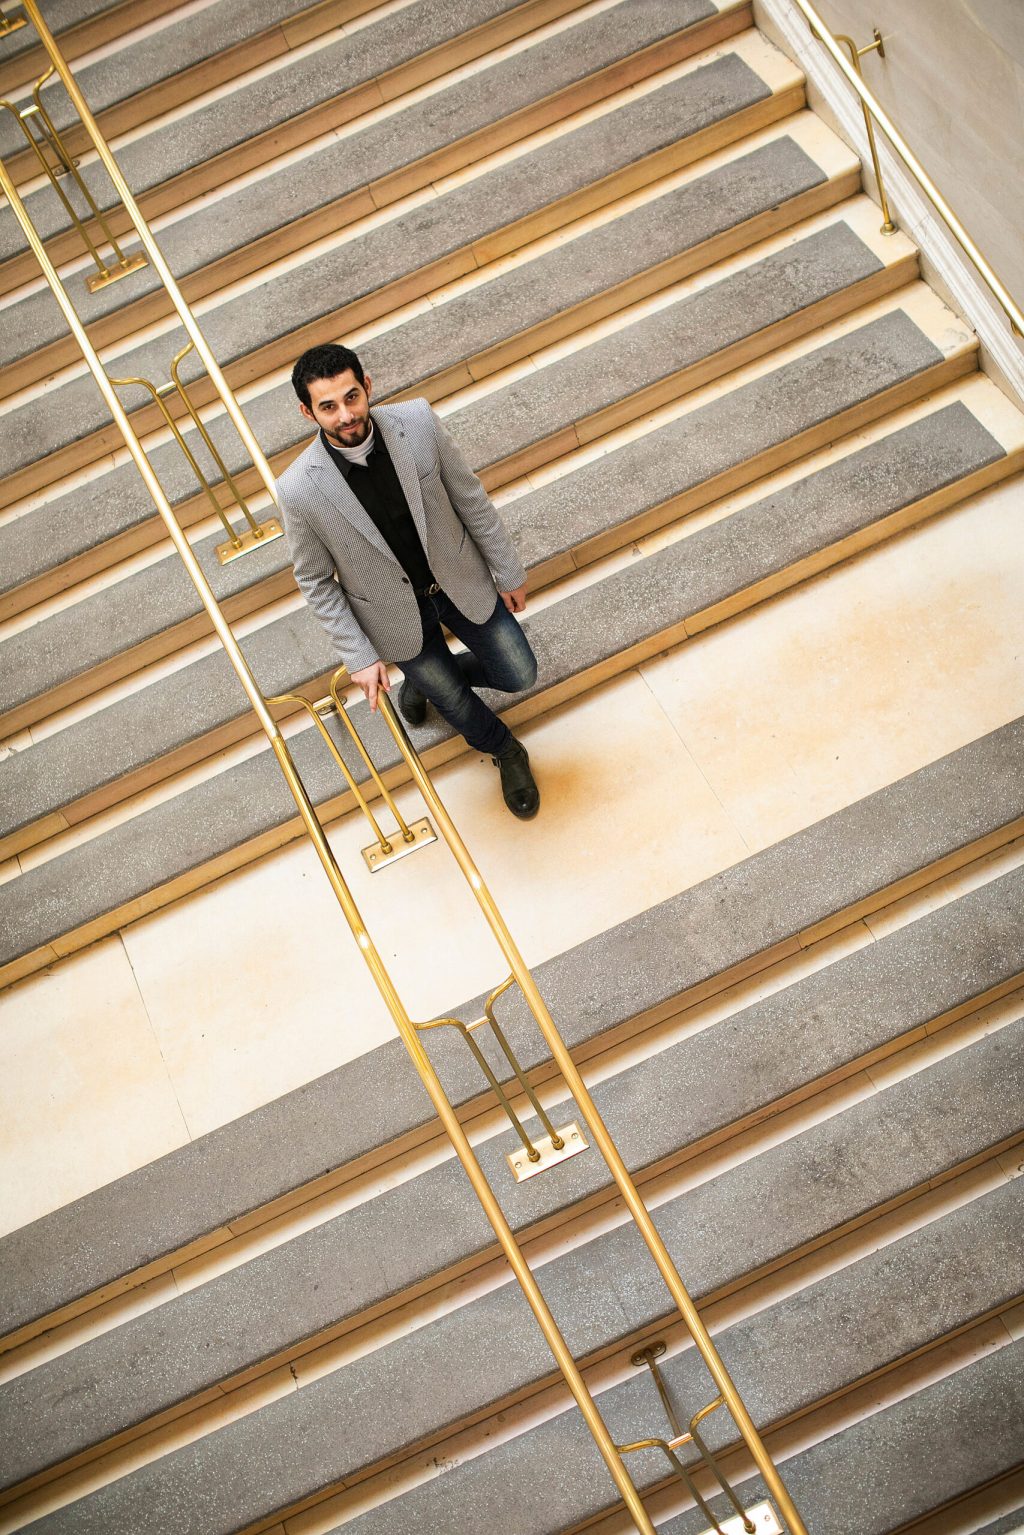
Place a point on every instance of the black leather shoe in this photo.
(412, 704)
(518, 786)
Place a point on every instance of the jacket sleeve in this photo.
(315, 576)
(477, 511)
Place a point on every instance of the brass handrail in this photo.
(408, 1031)
(872, 105)
(237, 543)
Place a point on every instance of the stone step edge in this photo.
(66, 1290)
(941, 1164)
(518, 1397)
(1000, 1500)
(829, 193)
(51, 469)
(295, 132)
(544, 701)
(825, 1407)
(781, 1428)
(141, 106)
(142, 528)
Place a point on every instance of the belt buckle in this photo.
(433, 589)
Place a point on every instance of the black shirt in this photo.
(377, 488)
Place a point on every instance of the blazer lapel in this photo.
(405, 468)
(333, 484)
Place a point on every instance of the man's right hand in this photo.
(371, 679)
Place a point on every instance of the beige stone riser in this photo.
(98, 31)
(752, 1292)
(218, 71)
(282, 352)
(210, 746)
(345, 108)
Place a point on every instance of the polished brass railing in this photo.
(875, 113)
(536, 1153)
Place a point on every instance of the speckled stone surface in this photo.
(643, 600)
(79, 637)
(60, 15)
(150, 59)
(908, 1459)
(422, 127)
(236, 805)
(838, 1169)
(862, 1318)
(673, 338)
(1009, 1524)
(270, 100)
(82, 519)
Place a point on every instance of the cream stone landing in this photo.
(255, 985)
(863, 675)
(85, 1095)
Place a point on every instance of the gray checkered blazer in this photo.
(345, 569)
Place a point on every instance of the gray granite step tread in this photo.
(240, 326)
(791, 279)
(421, 128)
(650, 350)
(81, 637)
(1009, 1524)
(569, 637)
(376, 1098)
(111, 503)
(351, 1263)
(645, 599)
(146, 61)
(267, 102)
(61, 15)
(884, 1472)
(824, 1338)
(860, 1319)
(232, 807)
(77, 764)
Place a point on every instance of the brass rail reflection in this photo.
(519, 974)
(871, 105)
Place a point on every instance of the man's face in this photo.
(341, 406)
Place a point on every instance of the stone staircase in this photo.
(643, 286)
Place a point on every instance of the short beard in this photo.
(340, 441)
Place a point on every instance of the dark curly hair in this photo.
(325, 361)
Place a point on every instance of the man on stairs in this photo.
(392, 535)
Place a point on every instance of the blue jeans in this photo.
(498, 656)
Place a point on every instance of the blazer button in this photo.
(405, 580)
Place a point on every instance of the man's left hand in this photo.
(514, 601)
